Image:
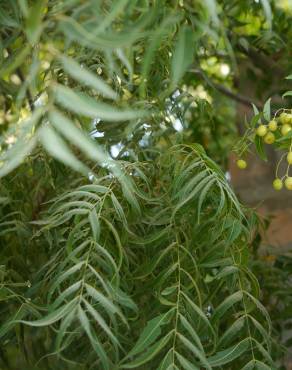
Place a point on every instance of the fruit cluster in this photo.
(283, 124)
(275, 131)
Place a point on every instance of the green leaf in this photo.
(201, 314)
(261, 366)
(232, 332)
(96, 345)
(255, 119)
(94, 223)
(190, 185)
(86, 77)
(186, 364)
(24, 145)
(261, 308)
(211, 6)
(59, 149)
(268, 11)
(57, 282)
(197, 352)
(203, 195)
(149, 353)
(255, 109)
(183, 54)
(34, 21)
(16, 154)
(62, 332)
(8, 21)
(53, 317)
(14, 60)
(117, 8)
(267, 110)
(103, 300)
(67, 292)
(84, 105)
(230, 354)
(23, 7)
(250, 365)
(78, 137)
(123, 299)
(288, 93)
(264, 333)
(260, 147)
(169, 290)
(285, 137)
(226, 305)
(117, 239)
(74, 204)
(150, 333)
(194, 192)
(192, 332)
(264, 352)
(100, 321)
(118, 208)
(228, 270)
(154, 44)
(99, 189)
(167, 361)
(121, 55)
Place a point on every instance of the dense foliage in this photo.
(123, 246)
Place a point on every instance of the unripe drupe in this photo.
(269, 138)
(261, 130)
(284, 118)
(273, 125)
(289, 157)
(288, 183)
(285, 129)
(241, 163)
(277, 184)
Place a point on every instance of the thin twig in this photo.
(224, 90)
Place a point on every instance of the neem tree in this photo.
(122, 244)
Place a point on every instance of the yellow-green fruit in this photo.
(269, 138)
(283, 118)
(289, 157)
(285, 129)
(261, 130)
(273, 125)
(289, 118)
(288, 183)
(241, 163)
(277, 184)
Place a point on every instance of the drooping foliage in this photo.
(123, 245)
(159, 279)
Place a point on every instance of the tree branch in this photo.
(224, 90)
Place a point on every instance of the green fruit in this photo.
(269, 138)
(289, 118)
(285, 129)
(288, 183)
(241, 163)
(261, 130)
(273, 125)
(284, 119)
(277, 184)
(289, 157)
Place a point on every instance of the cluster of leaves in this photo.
(273, 269)
(163, 285)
